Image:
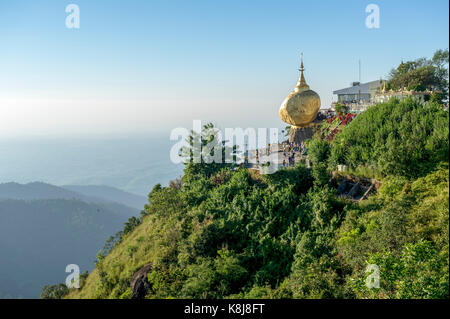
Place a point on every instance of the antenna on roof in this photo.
(359, 78)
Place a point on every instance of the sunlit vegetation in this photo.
(223, 232)
(423, 74)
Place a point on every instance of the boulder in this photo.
(139, 282)
(300, 134)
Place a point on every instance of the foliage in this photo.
(340, 109)
(54, 291)
(58, 291)
(49, 234)
(318, 151)
(420, 271)
(226, 232)
(287, 130)
(404, 138)
(207, 147)
(404, 231)
(422, 74)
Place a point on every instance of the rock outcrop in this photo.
(139, 282)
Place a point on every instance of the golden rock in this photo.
(300, 108)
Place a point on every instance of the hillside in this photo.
(87, 193)
(111, 198)
(38, 190)
(39, 238)
(109, 193)
(50, 227)
(225, 233)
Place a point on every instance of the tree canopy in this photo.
(422, 74)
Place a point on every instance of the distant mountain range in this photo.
(109, 193)
(88, 193)
(44, 227)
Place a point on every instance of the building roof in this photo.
(361, 88)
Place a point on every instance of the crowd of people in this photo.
(290, 149)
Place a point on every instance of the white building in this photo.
(359, 92)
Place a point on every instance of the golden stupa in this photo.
(300, 108)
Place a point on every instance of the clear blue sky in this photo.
(141, 66)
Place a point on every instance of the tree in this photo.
(437, 97)
(440, 61)
(54, 291)
(341, 109)
(422, 74)
(207, 152)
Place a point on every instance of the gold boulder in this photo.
(300, 108)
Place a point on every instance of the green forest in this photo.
(40, 237)
(223, 231)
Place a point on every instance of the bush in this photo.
(419, 272)
(341, 109)
(318, 151)
(54, 291)
(402, 138)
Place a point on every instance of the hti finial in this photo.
(301, 62)
(301, 84)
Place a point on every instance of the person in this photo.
(284, 162)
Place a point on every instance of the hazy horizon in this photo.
(141, 67)
(131, 164)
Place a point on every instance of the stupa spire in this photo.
(301, 84)
(299, 109)
(301, 62)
